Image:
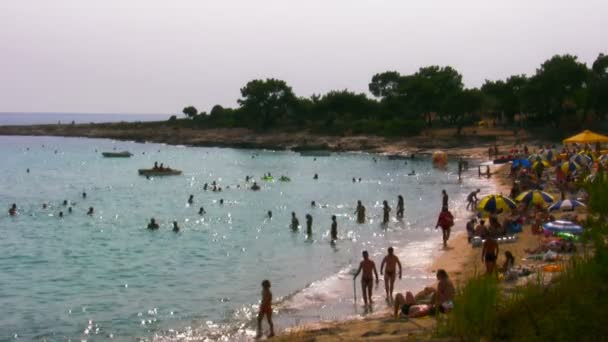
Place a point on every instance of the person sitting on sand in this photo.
(386, 211)
(334, 229)
(400, 207)
(175, 227)
(90, 212)
(295, 223)
(445, 221)
(360, 212)
(201, 211)
(12, 211)
(442, 299)
(265, 309)
(153, 225)
(472, 200)
(255, 186)
(481, 230)
(471, 229)
(391, 261)
(367, 278)
(489, 254)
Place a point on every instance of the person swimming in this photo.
(295, 224)
(201, 211)
(313, 204)
(91, 211)
(255, 186)
(175, 227)
(12, 211)
(44, 205)
(61, 214)
(69, 210)
(191, 199)
(316, 176)
(152, 225)
(205, 186)
(84, 195)
(269, 214)
(412, 173)
(221, 201)
(65, 202)
(155, 167)
(247, 178)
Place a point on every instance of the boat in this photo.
(503, 160)
(315, 153)
(123, 154)
(158, 172)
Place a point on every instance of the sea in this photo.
(16, 119)
(105, 276)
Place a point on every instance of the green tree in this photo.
(190, 112)
(385, 84)
(266, 101)
(504, 98)
(599, 86)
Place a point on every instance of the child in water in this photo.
(265, 309)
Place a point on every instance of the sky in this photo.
(157, 56)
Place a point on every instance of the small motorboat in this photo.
(159, 172)
(123, 154)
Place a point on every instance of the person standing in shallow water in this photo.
(295, 223)
(360, 212)
(265, 309)
(445, 221)
(175, 227)
(386, 211)
(309, 225)
(391, 261)
(444, 199)
(334, 229)
(400, 207)
(367, 278)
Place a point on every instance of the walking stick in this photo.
(355, 289)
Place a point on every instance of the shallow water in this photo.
(107, 276)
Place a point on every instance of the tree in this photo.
(266, 101)
(599, 85)
(385, 84)
(190, 112)
(504, 98)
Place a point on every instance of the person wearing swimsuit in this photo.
(489, 254)
(391, 261)
(367, 278)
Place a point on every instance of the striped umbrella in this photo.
(494, 203)
(520, 163)
(570, 166)
(566, 205)
(581, 159)
(603, 158)
(535, 197)
(560, 226)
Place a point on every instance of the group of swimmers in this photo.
(13, 211)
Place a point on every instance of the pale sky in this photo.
(153, 56)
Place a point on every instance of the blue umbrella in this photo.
(560, 226)
(581, 159)
(566, 205)
(521, 163)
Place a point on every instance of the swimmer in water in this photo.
(44, 206)
(360, 212)
(13, 210)
(255, 186)
(269, 214)
(191, 199)
(413, 173)
(316, 176)
(175, 227)
(400, 207)
(313, 204)
(61, 214)
(84, 195)
(354, 180)
(294, 221)
(69, 210)
(386, 211)
(201, 211)
(152, 225)
(65, 202)
(91, 211)
(205, 186)
(221, 201)
(28, 170)
(334, 228)
(308, 225)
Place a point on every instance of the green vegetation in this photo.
(562, 93)
(570, 308)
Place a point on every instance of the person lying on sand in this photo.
(441, 299)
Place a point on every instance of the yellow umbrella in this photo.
(586, 137)
(539, 163)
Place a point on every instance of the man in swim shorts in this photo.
(367, 278)
(391, 261)
(489, 254)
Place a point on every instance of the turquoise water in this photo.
(106, 276)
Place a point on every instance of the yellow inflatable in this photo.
(440, 159)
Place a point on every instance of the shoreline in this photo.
(469, 144)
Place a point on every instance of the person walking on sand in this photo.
(334, 228)
(367, 278)
(265, 309)
(489, 254)
(360, 212)
(444, 199)
(445, 221)
(391, 261)
(386, 211)
(400, 207)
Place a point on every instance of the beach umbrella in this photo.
(566, 205)
(549, 154)
(561, 226)
(603, 158)
(538, 164)
(581, 159)
(521, 163)
(586, 137)
(570, 166)
(535, 197)
(494, 203)
(535, 157)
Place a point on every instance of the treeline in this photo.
(563, 93)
